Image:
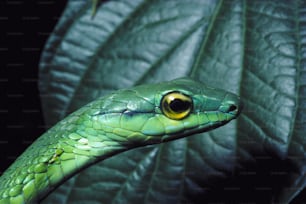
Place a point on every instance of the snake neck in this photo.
(61, 152)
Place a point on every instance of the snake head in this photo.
(156, 113)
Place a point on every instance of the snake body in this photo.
(129, 118)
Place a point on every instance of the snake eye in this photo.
(176, 105)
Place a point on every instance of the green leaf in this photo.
(253, 48)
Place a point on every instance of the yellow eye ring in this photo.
(176, 105)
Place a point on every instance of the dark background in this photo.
(25, 26)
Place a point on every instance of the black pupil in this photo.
(178, 105)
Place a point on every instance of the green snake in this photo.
(125, 119)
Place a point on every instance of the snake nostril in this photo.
(232, 108)
(232, 104)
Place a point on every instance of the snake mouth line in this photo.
(199, 129)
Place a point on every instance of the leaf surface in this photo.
(253, 48)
